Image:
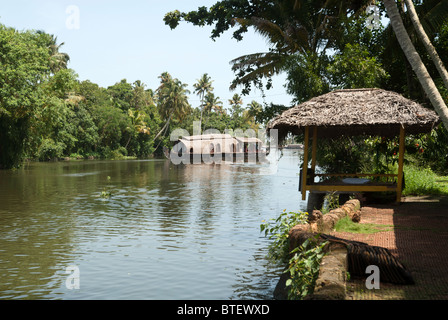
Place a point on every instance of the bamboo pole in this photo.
(400, 164)
(305, 164)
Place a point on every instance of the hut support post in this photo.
(314, 147)
(305, 163)
(400, 164)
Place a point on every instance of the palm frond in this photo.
(433, 14)
(256, 66)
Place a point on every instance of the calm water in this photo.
(167, 232)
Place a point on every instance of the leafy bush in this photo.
(117, 154)
(304, 268)
(278, 230)
(49, 149)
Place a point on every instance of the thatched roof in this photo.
(356, 112)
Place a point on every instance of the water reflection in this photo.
(166, 232)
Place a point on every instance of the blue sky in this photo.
(129, 40)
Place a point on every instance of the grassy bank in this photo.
(423, 181)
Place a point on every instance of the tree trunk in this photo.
(416, 62)
(164, 127)
(427, 42)
(129, 140)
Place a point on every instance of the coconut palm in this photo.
(201, 88)
(58, 60)
(172, 100)
(255, 110)
(416, 62)
(211, 103)
(236, 110)
(426, 41)
(235, 104)
(138, 124)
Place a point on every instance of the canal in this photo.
(142, 229)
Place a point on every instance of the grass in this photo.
(423, 181)
(347, 225)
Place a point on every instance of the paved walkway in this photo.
(416, 232)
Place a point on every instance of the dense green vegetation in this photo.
(303, 262)
(47, 113)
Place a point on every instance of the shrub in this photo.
(278, 230)
(49, 149)
(303, 266)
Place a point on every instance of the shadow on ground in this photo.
(418, 237)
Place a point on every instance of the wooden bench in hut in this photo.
(369, 112)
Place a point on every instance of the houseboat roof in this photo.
(207, 137)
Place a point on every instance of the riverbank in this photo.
(417, 233)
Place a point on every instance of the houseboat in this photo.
(216, 148)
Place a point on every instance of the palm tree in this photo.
(172, 100)
(138, 124)
(211, 103)
(201, 88)
(58, 60)
(236, 110)
(235, 104)
(426, 41)
(416, 62)
(140, 98)
(255, 110)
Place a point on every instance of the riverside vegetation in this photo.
(302, 262)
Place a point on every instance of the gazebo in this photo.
(350, 112)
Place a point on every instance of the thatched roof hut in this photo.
(354, 112)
